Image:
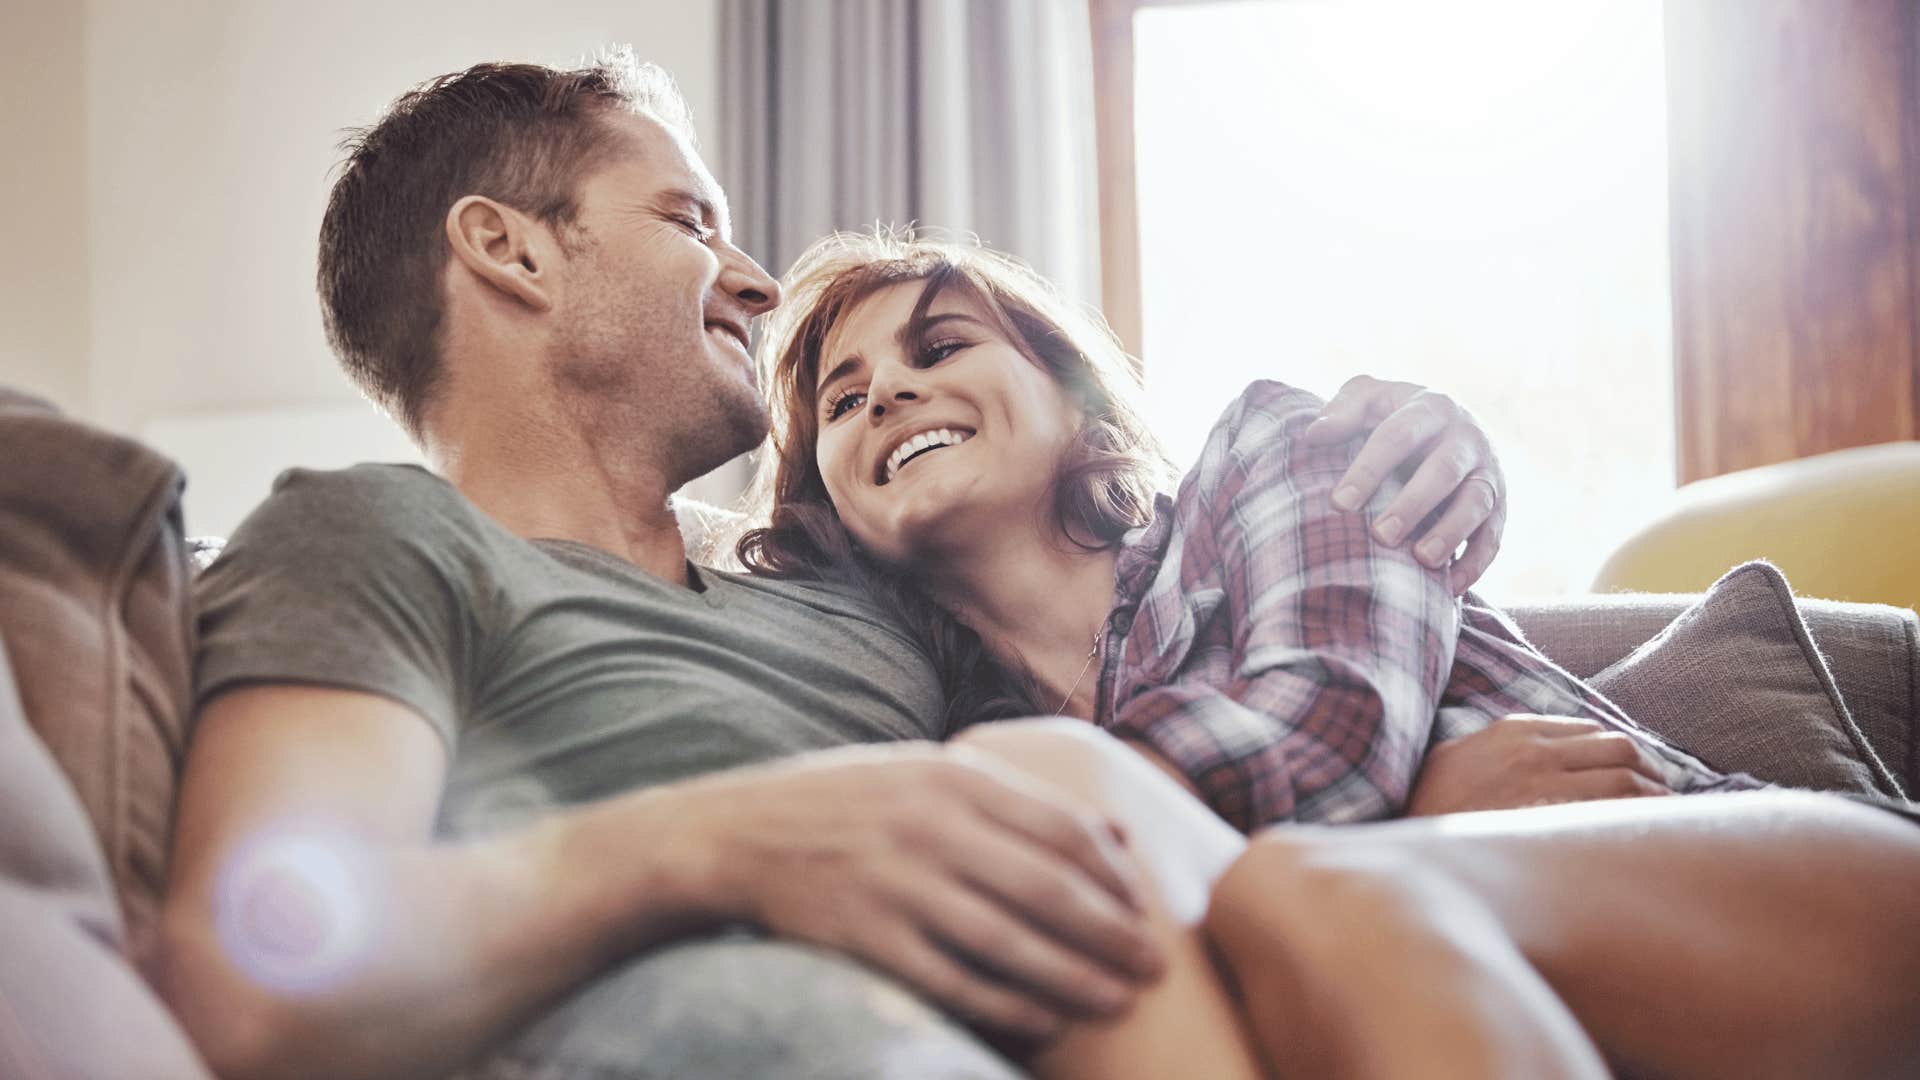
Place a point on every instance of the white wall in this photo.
(181, 156)
(43, 200)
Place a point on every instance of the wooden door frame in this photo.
(1120, 298)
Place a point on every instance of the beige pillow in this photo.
(1737, 680)
(73, 1007)
(95, 614)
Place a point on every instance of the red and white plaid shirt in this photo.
(1293, 667)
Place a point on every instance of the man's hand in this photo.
(1531, 760)
(1411, 425)
(996, 897)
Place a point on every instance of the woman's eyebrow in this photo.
(910, 332)
(841, 370)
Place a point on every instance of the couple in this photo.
(468, 739)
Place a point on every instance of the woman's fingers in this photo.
(1607, 750)
(1618, 783)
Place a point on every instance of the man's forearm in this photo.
(458, 944)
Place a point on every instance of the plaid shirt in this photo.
(1294, 668)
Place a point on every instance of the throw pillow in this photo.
(96, 616)
(1736, 679)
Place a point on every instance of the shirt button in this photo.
(1123, 622)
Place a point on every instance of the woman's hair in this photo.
(1104, 483)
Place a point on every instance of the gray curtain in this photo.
(968, 115)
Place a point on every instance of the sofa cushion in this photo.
(95, 614)
(72, 1008)
(49, 845)
(1737, 680)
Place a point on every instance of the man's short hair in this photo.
(523, 134)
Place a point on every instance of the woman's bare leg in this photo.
(1387, 971)
(1502, 1020)
(1754, 935)
(1185, 1024)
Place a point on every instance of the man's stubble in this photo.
(636, 367)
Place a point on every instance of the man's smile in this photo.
(730, 328)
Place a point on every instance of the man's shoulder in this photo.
(408, 489)
(366, 520)
(372, 500)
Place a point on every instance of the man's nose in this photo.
(747, 282)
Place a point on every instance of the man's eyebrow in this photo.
(841, 370)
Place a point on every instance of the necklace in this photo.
(1099, 639)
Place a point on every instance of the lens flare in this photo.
(294, 908)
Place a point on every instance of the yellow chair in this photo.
(1843, 526)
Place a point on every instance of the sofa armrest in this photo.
(1873, 651)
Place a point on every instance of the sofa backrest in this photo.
(96, 617)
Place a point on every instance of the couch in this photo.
(1840, 524)
(96, 639)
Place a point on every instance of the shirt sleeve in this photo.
(353, 580)
(1331, 650)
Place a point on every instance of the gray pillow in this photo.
(1737, 680)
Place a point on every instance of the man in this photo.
(469, 738)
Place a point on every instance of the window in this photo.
(1469, 195)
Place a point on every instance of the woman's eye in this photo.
(848, 400)
(937, 351)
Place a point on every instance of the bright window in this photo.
(1470, 195)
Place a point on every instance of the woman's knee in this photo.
(1335, 901)
(1181, 843)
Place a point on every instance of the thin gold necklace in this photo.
(1099, 639)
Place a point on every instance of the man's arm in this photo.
(313, 927)
(1446, 459)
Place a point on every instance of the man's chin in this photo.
(737, 424)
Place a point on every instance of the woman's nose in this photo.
(893, 385)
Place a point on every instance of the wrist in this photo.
(642, 865)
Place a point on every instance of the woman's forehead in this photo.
(876, 320)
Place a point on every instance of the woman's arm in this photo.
(1445, 457)
(1302, 659)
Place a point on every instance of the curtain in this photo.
(966, 115)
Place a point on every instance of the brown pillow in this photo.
(95, 614)
(1736, 679)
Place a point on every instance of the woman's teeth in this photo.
(922, 441)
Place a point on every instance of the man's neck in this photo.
(1037, 601)
(553, 481)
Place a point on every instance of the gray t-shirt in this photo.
(556, 673)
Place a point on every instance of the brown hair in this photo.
(1104, 483)
(523, 134)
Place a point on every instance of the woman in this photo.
(946, 425)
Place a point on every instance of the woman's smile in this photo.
(915, 447)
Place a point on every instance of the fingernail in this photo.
(1388, 529)
(1429, 552)
(1346, 497)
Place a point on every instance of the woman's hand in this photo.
(1411, 426)
(1530, 760)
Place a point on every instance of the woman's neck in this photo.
(1037, 603)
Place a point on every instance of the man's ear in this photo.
(501, 247)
